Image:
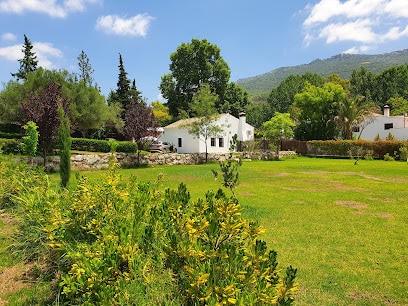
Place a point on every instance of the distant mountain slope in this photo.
(341, 64)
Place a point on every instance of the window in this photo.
(221, 142)
(213, 142)
(180, 142)
(388, 126)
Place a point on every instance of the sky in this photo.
(254, 36)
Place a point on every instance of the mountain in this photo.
(341, 64)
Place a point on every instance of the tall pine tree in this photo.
(123, 90)
(135, 95)
(28, 63)
(85, 69)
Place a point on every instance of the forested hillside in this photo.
(341, 64)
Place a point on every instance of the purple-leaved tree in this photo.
(42, 108)
(140, 122)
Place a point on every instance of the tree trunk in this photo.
(44, 156)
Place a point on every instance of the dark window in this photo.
(180, 142)
(388, 126)
(213, 142)
(221, 142)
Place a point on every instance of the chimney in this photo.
(241, 127)
(386, 111)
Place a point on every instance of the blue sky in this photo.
(254, 37)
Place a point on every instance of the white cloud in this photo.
(8, 37)
(328, 9)
(11, 53)
(359, 49)
(45, 53)
(365, 22)
(133, 26)
(78, 5)
(395, 33)
(53, 8)
(397, 8)
(359, 31)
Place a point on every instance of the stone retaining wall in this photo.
(101, 161)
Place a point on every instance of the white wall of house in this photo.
(384, 124)
(187, 143)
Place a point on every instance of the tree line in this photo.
(331, 108)
(37, 93)
(318, 107)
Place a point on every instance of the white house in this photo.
(177, 134)
(382, 125)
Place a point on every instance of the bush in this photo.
(403, 152)
(10, 146)
(126, 147)
(64, 143)
(90, 145)
(10, 135)
(103, 146)
(387, 157)
(350, 147)
(17, 179)
(216, 256)
(124, 242)
(30, 140)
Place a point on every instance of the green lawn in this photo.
(344, 226)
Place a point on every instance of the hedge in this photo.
(347, 148)
(10, 135)
(10, 146)
(104, 146)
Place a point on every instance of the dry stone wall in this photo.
(101, 161)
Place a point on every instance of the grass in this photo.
(344, 226)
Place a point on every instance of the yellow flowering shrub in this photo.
(124, 242)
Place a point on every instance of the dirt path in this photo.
(11, 277)
(11, 280)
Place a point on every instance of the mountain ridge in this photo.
(342, 64)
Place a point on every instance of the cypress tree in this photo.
(64, 141)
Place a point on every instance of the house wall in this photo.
(378, 127)
(190, 144)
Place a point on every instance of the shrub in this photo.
(390, 136)
(64, 143)
(216, 256)
(30, 140)
(10, 135)
(17, 181)
(353, 147)
(124, 242)
(403, 152)
(90, 145)
(10, 146)
(103, 146)
(388, 157)
(127, 147)
(369, 155)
